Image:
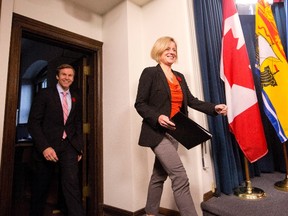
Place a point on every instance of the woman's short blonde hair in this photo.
(160, 46)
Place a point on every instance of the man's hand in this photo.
(79, 157)
(50, 154)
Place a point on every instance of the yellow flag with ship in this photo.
(273, 67)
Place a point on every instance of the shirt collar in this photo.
(60, 89)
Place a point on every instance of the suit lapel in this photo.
(73, 101)
(57, 99)
(164, 80)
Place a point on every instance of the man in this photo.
(55, 124)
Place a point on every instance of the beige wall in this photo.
(5, 32)
(128, 33)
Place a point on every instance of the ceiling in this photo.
(103, 6)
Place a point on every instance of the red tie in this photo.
(65, 111)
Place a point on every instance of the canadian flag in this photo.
(235, 70)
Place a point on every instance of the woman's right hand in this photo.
(165, 122)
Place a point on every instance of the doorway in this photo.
(36, 49)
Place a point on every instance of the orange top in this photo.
(176, 96)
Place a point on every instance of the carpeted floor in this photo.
(274, 204)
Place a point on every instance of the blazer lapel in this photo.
(73, 101)
(73, 105)
(57, 101)
(164, 80)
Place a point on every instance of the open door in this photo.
(86, 56)
(84, 74)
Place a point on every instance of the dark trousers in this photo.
(43, 173)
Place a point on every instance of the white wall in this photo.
(5, 33)
(118, 175)
(128, 33)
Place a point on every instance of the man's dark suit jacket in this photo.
(154, 99)
(46, 124)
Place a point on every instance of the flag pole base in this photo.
(249, 193)
(282, 185)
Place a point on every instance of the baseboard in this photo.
(113, 211)
(168, 212)
(208, 196)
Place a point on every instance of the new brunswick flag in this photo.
(273, 68)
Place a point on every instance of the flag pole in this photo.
(249, 192)
(283, 185)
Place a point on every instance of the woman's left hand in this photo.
(221, 109)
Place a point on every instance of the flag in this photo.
(235, 70)
(272, 66)
(286, 13)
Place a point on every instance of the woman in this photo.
(162, 92)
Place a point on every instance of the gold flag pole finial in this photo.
(249, 192)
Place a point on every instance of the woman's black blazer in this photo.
(154, 99)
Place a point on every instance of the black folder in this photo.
(188, 132)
